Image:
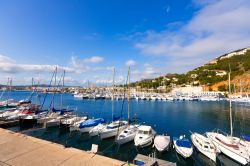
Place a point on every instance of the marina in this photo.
(125, 83)
(197, 116)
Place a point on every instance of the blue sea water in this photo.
(166, 117)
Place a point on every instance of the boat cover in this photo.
(246, 137)
(183, 143)
(91, 122)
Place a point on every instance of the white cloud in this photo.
(130, 62)
(217, 28)
(93, 59)
(8, 65)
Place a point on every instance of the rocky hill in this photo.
(213, 75)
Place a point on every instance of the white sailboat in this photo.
(116, 126)
(228, 144)
(96, 130)
(144, 136)
(127, 134)
(113, 129)
(204, 145)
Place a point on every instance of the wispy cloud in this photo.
(93, 59)
(8, 65)
(130, 62)
(217, 28)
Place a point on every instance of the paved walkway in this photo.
(18, 149)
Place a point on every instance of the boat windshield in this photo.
(144, 132)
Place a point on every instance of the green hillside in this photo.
(209, 74)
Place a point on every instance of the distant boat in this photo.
(204, 145)
(162, 142)
(144, 136)
(183, 146)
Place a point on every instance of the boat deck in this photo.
(19, 149)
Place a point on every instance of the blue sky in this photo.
(88, 38)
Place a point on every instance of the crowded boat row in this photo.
(209, 144)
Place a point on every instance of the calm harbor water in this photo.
(166, 117)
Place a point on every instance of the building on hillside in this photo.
(221, 73)
(213, 61)
(188, 90)
(239, 52)
(194, 75)
(194, 91)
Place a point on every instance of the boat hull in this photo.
(162, 143)
(27, 123)
(126, 139)
(111, 133)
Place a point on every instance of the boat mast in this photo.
(54, 89)
(230, 102)
(113, 91)
(128, 95)
(62, 88)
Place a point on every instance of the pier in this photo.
(151, 161)
(19, 149)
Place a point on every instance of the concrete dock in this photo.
(153, 161)
(19, 149)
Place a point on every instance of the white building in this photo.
(221, 73)
(240, 52)
(188, 90)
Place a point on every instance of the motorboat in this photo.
(113, 129)
(204, 145)
(183, 146)
(144, 136)
(128, 134)
(162, 142)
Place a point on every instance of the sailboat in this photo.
(228, 144)
(128, 134)
(116, 126)
(89, 124)
(204, 145)
(100, 127)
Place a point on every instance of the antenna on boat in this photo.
(230, 102)
(128, 95)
